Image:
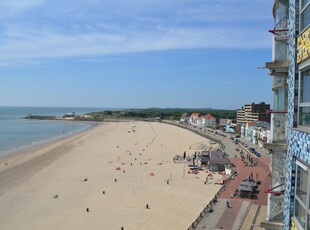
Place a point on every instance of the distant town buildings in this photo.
(195, 119)
(199, 120)
(184, 118)
(253, 112)
(257, 133)
(208, 120)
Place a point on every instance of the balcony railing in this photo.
(278, 126)
(278, 82)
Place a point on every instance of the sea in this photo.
(17, 133)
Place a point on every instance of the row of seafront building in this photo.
(283, 209)
(254, 122)
(253, 125)
(289, 196)
(199, 120)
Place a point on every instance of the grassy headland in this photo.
(138, 114)
(166, 113)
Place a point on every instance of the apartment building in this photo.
(289, 196)
(278, 69)
(297, 184)
(208, 120)
(240, 116)
(200, 120)
(253, 112)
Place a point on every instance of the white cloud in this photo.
(10, 8)
(49, 44)
(88, 28)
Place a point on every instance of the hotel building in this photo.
(278, 69)
(253, 112)
(289, 198)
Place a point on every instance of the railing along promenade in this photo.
(187, 127)
(209, 207)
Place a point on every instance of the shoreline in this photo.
(14, 157)
(18, 149)
(25, 163)
(61, 168)
(38, 144)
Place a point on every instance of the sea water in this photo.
(17, 132)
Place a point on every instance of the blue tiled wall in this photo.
(298, 146)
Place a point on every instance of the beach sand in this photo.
(51, 187)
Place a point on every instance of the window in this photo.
(280, 99)
(304, 2)
(304, 116)
(305, 17)
(302, 198)
(305, 87)
(302, 184)
(304, 98)
(300, 213)
(281, 51)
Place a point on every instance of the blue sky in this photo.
(135, 54)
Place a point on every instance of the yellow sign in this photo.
(294, 227)
(303, 46)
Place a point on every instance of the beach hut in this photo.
(204, 157)
(218, 161)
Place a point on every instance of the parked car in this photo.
(257, 154)
(252, 150)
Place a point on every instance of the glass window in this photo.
(281, 17)
(305, 18)
(304, 116)
(300, 213)
(303, 3)
(302, 184)
(280, 99)
(281, 50)
(305, 86)
(304, 98)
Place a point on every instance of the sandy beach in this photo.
(109, 170)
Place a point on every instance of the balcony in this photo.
(278, 68)
(278, 131)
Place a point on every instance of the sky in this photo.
(135, 54)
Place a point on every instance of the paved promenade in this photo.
(243, 214)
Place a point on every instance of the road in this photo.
(225, 138)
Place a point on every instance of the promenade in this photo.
(244, 214)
